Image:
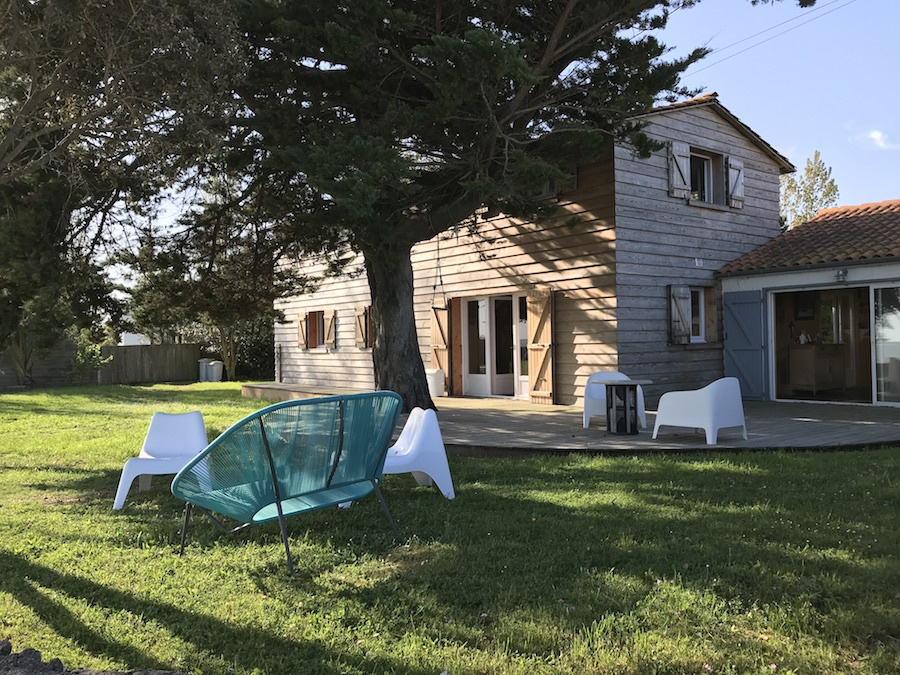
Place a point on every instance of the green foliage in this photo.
(133, 84)
(718, 562)
(223, 268)
(373, 129)
(803, 197)
(88, 358)
(102, 103)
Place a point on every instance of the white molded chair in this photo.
(716, 406)
(173, 439)
(420, 450)
(595, 396)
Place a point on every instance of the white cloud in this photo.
(880, 139)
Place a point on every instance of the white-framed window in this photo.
(698, 314)
(692, 314)
(703, 186)
(705, 177)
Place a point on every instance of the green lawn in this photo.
(723, 563)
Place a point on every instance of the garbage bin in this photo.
(216, 369)
(435, 379)
(203, 367)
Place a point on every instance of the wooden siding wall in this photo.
(662, 240)
(343, 366)
(619, 229)
(572, 254)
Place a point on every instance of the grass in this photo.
(714, 563)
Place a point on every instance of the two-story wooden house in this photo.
(622, 279)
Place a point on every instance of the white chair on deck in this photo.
(716, 406)
(173, 439)
(420, 450)
(595, 396)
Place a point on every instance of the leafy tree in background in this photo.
(100, 103)
(802, 197)
(222, 268)
(48, 283)
(110, 77)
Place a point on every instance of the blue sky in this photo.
(825, 78)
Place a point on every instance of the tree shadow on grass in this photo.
(566, 541)
(36, 586)
(744, 535)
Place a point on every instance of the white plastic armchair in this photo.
(420, 450)
(173, 440)
(595, 396)
(716, 406)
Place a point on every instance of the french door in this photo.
(495, 354)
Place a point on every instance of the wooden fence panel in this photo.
(136, 364)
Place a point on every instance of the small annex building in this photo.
(623, 278)
(814, 314)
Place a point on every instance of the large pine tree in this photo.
(396, 120)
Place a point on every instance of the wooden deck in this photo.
(508, 426)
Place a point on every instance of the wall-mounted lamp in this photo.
(841, 276)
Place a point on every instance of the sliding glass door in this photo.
(887, 344)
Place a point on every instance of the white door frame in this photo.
(489, 382)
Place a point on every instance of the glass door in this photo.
(477, 331)
(520, 322)
(822, 346)
(887, 344)
(492, 346)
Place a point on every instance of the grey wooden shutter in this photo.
(679, 169)
(680, 315)
(735, 183)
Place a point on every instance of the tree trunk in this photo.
(228, 351)
(22, 353)
(395, 355)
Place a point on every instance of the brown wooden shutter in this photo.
(301, 331)
(679, 170)
(440, 337)
(361, 326)
(680, 315)
(735, 183)
(540, 346)
(330, 333)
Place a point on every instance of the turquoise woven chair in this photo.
(290, 458)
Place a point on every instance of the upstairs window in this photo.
(705, 177)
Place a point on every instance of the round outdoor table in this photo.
(621, 405)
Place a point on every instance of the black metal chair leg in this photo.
(187, 519)
(284, 538)
(386, 510)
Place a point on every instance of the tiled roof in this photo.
(846, 234)
(712, 101)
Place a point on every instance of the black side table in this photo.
(622, 406)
